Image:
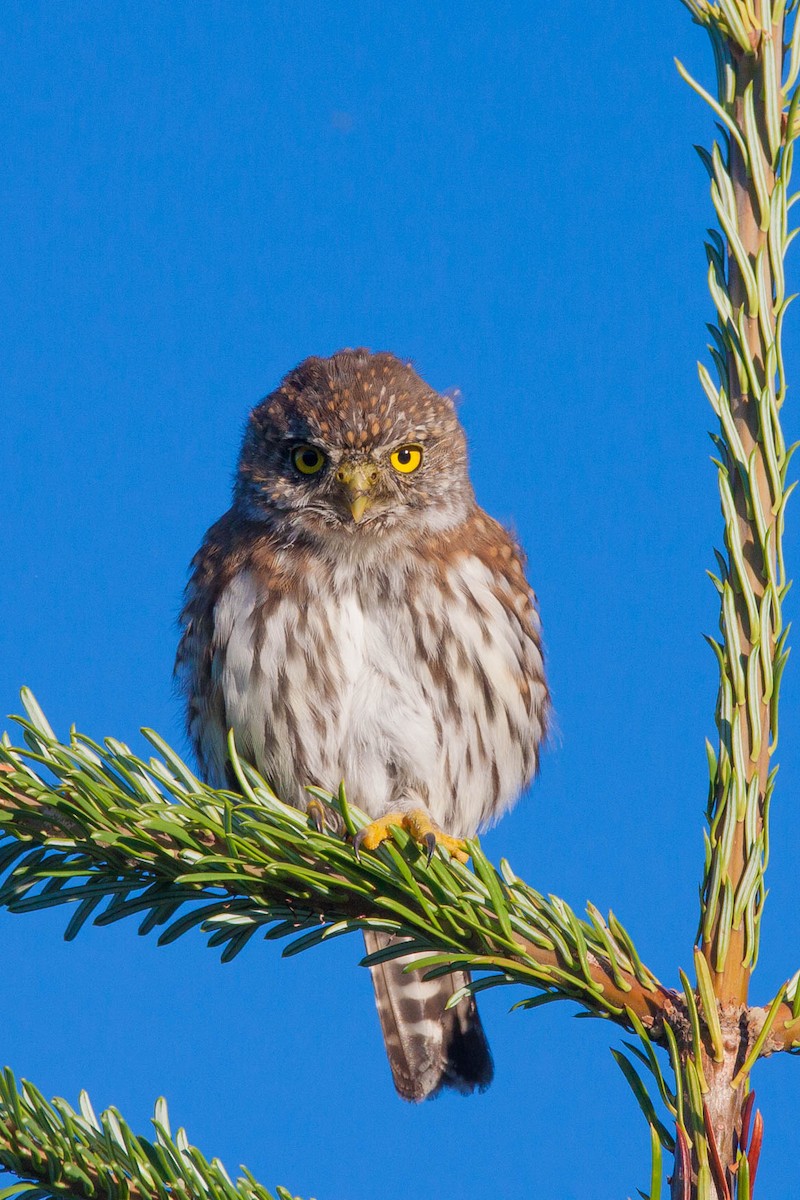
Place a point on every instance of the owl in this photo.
(356, 616)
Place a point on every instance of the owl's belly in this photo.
(321, 694)
(391, 698)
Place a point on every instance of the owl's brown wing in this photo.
(486, 653)
(222, 554)
(429, 1046)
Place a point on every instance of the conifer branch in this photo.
(749, 168)
(98, 828)
(60, 1154)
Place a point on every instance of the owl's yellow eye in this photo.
(406, 459)
(308, 459)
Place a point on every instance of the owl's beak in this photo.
(358, 480)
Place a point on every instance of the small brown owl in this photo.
(356, 616)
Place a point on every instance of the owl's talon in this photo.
(324, 818)
(316, 815)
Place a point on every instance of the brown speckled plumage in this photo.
(399, 652)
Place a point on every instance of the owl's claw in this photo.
(358, 841)
(324, 818)
(316, 815)
(418, 823)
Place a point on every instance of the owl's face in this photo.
(353, 446)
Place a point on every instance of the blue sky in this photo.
(198, 195)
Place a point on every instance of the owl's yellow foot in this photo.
(418, 823)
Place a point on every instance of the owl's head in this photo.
(354, 445)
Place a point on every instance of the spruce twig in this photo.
(101, 829)
(57, 1152)
(750, 167)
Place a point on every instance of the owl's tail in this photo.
(429, 1047)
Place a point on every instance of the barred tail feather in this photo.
(429, 1047)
